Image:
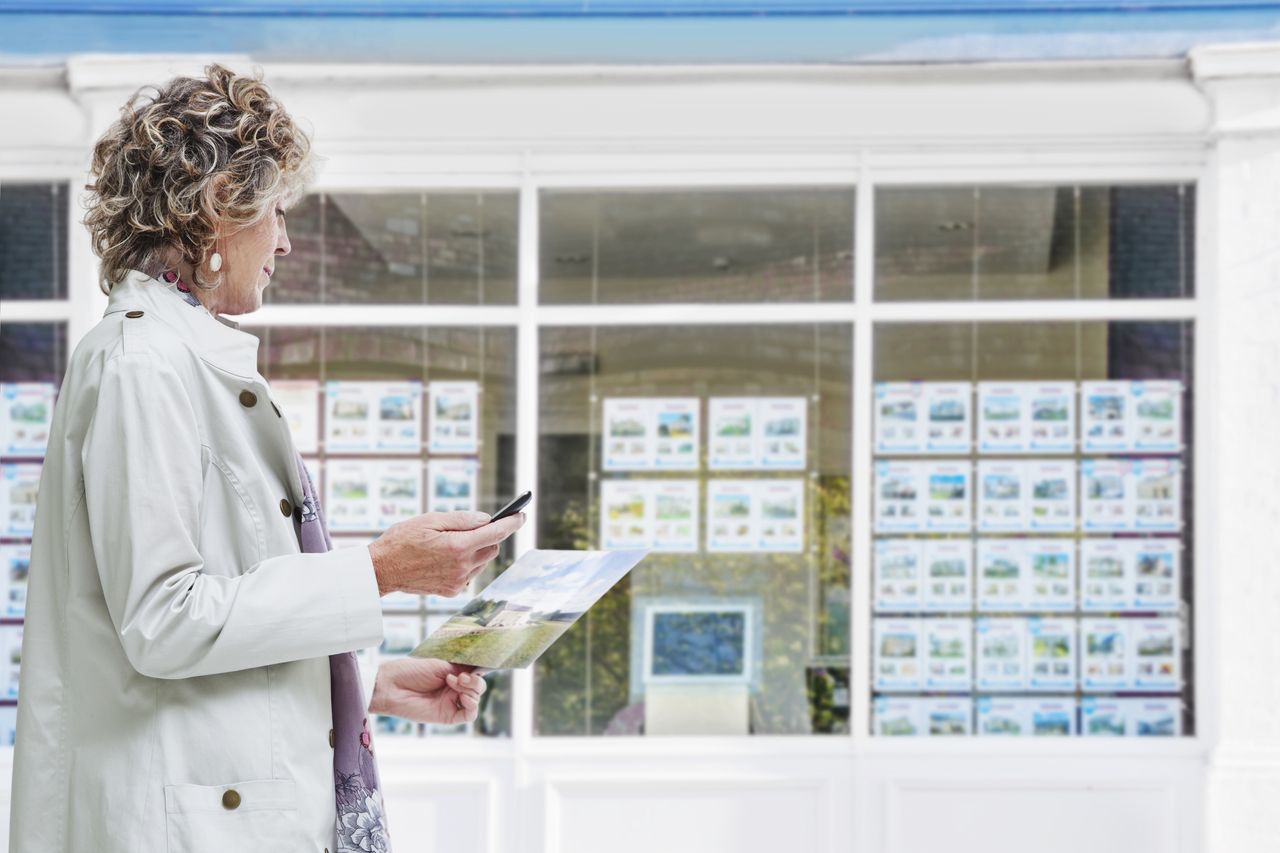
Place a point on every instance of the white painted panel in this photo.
(1044, 818)
(686, 817)
(442, 816)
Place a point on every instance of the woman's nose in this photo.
(282, 244)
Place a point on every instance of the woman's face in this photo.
(248, 260)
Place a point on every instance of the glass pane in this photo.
(726, 451)
(33, 241)
(359, 401)
(1033, 564)
(1034, 242)
(447, 248)
(692, 245)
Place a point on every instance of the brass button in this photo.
(331, 740)
(248, 399)
(286, 508)
(133, 315)
(277, 408)
(230, 799)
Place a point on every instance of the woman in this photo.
(188, 682)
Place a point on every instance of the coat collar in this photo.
(215, 339)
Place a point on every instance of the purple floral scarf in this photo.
(361, 822)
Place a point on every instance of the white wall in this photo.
(1216, 121)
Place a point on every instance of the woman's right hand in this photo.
(438, 553)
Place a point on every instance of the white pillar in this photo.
(1238, 500)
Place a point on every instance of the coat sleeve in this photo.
(143, 469)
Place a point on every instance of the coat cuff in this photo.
(358, 590)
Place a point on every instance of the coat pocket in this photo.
(257, 814)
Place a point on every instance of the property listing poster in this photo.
(948, 717)
(452, 485)
(898, 498)
(1050, 578)
(1026, 495)
(11, 645)
(1140, 416)
(19, 485)
(1156, 653)
(299, 402)
(1001, 570)
(948, 653)
(1051, 650)
(948, 575)
(1002, 495)
(898, 657)
(1144, 717)
(453, 417)
(1026, 417)
(363, 494)
(660, 515)
(14, 563)
(1053, 717)
(898, 575)
(647, 434)
(923, 417)
(392, 601)
(1002, 418)
(757, 433)
(8, 724)
(26, 416)
(1001, 655)
(947, 498)
(1010, 716)
(1131, 495)
(755, 515)
(1104, 654)
(1130, 574)
(373, 417)
(1051, 495)
(897, 716)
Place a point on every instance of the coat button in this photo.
(133, 315)
(230, 799)
(286, 508)
(248, 399)
(331, 740)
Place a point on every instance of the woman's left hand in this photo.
(427, 691)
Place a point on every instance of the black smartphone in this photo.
(518, 503)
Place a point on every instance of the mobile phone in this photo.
(518, 503)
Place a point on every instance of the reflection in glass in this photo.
(765, 621)
(694, 245)
(33, 241)
(1034, 242)
(438, 248)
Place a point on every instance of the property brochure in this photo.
(1001, 569)
(1105, 422)
(1130, 574)
(755, 515)
(948, 653)
(1131, 495)
(299, 403)
(373, 417)
(894, 716)
(898, 656)
(1051, 651)
(1001, 653)
(946, 494)
(948, 575)
(14, 562)
(26, 416)
(527, 608)
(899, 585)
(1050, 579)
(19, 484)
(363, 494)
(1157, 416)
(1145, 717)
(923, 417)
(647, 434)
(1002, 495)
(657, 515)
(453, 417)
(452, 485)
(767, 433)
(1142, 415)
(1104, 654)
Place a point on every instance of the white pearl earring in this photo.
(215, 262)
